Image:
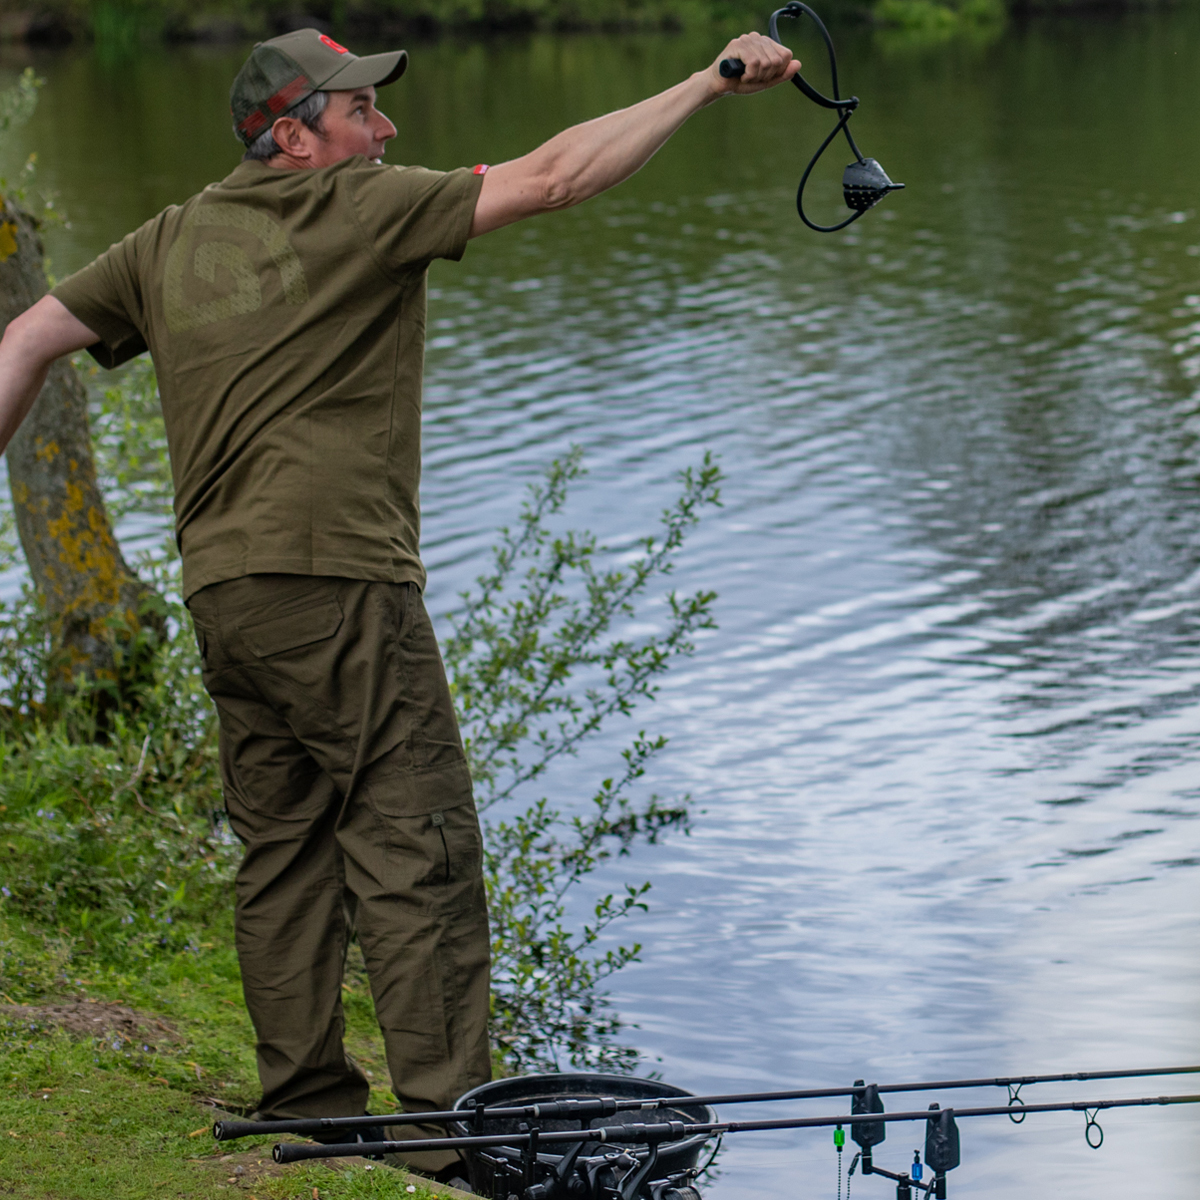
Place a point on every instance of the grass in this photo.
(78, 1126)
(121, 1116)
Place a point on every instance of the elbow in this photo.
(22, 348)
(559, 190)
(13, 345)
(20, 341)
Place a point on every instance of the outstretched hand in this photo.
(767, 64)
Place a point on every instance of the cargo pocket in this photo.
(396, 793)
(433, 854)
(290, 632)
(201, 641)
(455, 846)
(462, 844)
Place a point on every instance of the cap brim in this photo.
(372, 70)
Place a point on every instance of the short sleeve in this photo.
(107, 297)
(410, 215)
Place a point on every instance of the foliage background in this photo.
(127, 23)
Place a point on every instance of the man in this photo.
(284, 308)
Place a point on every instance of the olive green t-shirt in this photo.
(285, 312)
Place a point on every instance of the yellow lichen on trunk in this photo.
(97, 605)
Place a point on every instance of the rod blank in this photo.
(670, 1131)
(601, 1106)
(941, 1085)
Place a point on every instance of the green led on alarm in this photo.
(839, 1137)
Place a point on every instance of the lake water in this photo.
(946, 741)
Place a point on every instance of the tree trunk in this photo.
(97, 605)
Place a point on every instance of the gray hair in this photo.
(308, 112)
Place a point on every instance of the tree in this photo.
(98, 609)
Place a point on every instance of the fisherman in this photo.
(284, 309)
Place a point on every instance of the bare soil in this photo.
(242, 1170)
(94, 1019)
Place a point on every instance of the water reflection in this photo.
(945, 741)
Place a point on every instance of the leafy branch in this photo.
(545, 614)
(510, 658)
(18, 102)
(17, 105)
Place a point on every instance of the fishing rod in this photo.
(942, 1150)
(864, 182)
(606, 1106)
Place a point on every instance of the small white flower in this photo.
(410, 1188)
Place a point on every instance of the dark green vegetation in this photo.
(117, 862)
(118, 24)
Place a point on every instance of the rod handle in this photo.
(224, 1131)
(732, 68)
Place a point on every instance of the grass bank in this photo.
(109, 1082)
(122, 1027)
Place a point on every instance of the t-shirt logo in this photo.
(208, 256)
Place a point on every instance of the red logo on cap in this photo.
(333, 45)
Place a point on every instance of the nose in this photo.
(384, 130)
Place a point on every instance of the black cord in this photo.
(838, 128)
(844, 108)
(864, 183)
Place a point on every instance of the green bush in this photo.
(933, 20)
(537, 666)
(115, 848)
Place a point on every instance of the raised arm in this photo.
(31, 343)
(587, 159)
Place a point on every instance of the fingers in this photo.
(767, 63)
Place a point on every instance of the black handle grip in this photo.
(732, 68)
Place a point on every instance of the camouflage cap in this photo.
(282, 72)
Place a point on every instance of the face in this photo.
(351, 124)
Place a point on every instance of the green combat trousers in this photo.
(345, 780)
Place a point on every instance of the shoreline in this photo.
(127, 22)
(124, 23)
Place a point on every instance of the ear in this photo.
(293, 137)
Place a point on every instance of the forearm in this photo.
(30, 345)
(587, 159)
(21, 379)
